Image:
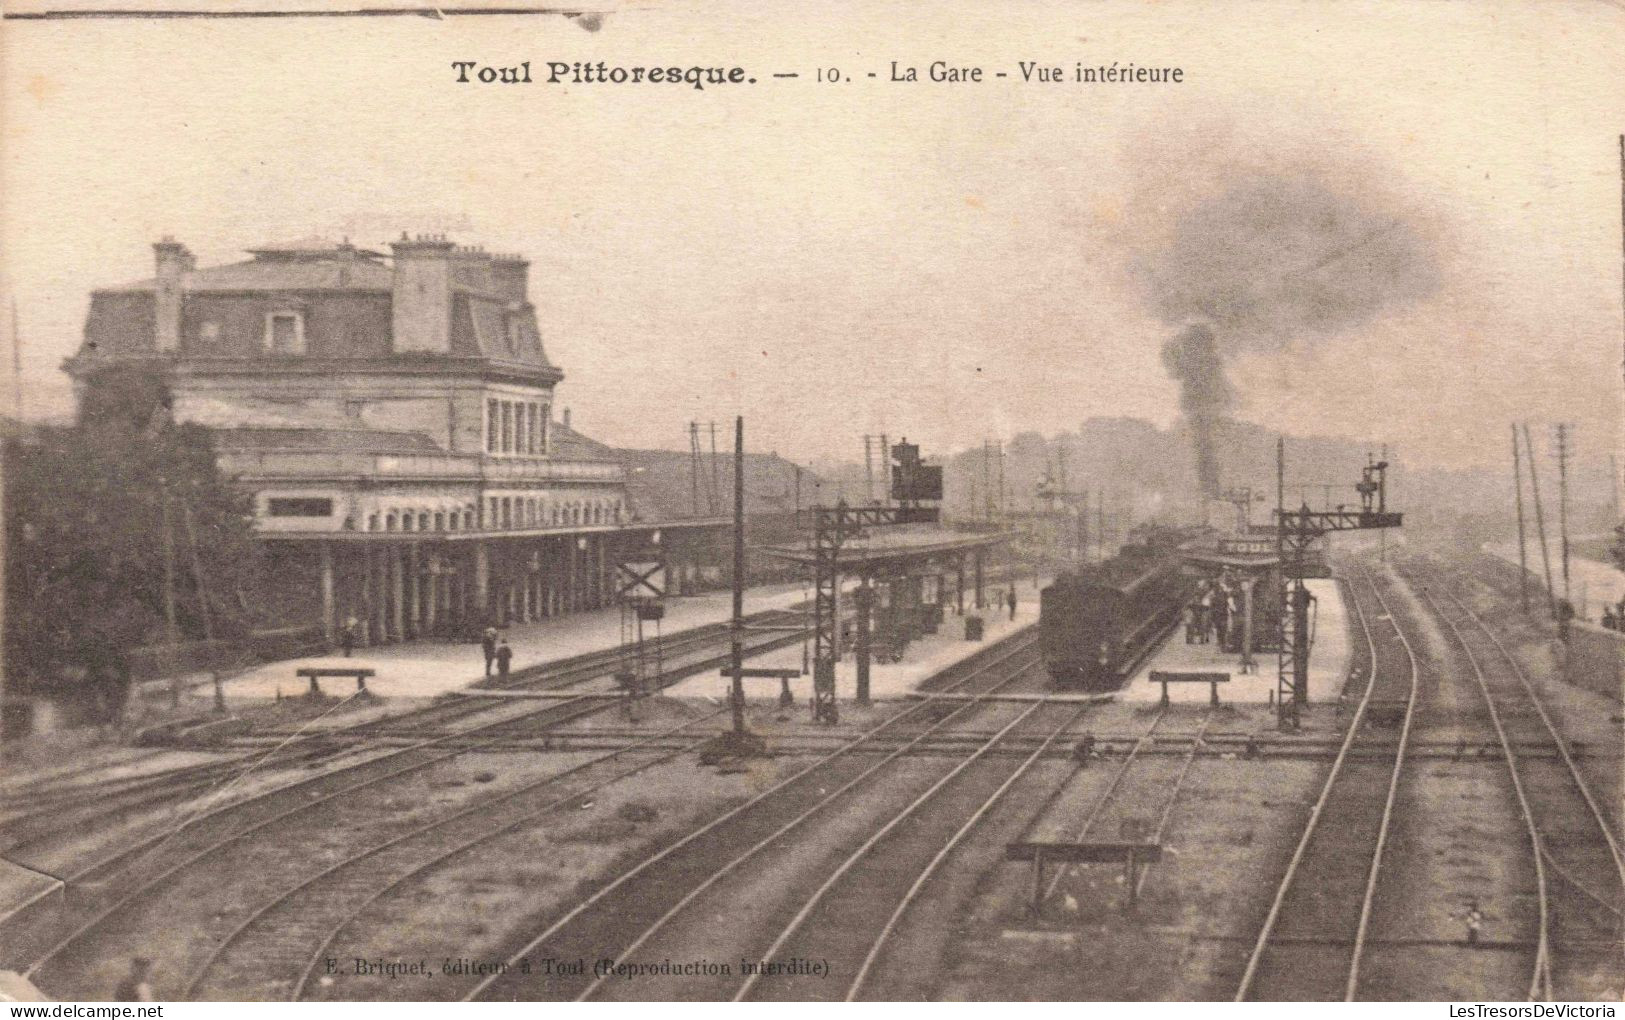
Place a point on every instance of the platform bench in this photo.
(315, 674)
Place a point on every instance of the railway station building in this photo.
(392, 416)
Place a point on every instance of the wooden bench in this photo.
(1213, 680)
(1133, 855)
(315, 674)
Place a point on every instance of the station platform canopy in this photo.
(1243, 553)
(892, 547)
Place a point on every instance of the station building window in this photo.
(281, 506)
(492, 425)
(285, 332)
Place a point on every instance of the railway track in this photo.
(52, 792)
(201, 840)
(682, 881)
(1330, 881)
(359, 746)
(1142, 778)
(269, 953)
(1574, 850)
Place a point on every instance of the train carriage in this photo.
(1096, 626)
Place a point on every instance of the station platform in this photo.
(888, 681)
(29, 900)
(423, 669)
(1592, 583)
(1328, 661)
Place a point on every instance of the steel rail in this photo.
(764, 843)
(589, 707)
(1106, 796)
(1561, 743)
(1351, 989)
(168, 784)
(479, 808)
(1540, 978)
(1173, 796)
(1023, 643)
(862, 851)
(909, 897)
(794, 823)
(1267, 930)
(88, 928)
(1571, 768)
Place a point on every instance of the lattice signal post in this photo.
(913, 483)
(640, 584)
(1295, 531)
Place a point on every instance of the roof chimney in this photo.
(422, 293)
(566, 417)
(509, 276)
(174, 263)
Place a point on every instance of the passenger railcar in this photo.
(1097, 625)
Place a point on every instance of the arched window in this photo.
(440, 520)
(389, 521)
(372, 522)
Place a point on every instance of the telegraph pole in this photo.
(1523, 555)
(1540, 521)
(171, 634)
(1563, 502)
(1100, 522)
(737, 632)
(868, 469)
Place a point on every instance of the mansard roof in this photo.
(307, 264)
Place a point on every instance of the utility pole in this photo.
(868, 469)
(1083, 529)
(17, 361)
(1540, 521)
(716, 469)
(1563, 502)
(694, 464)
(737, 631)
(205, 615)
(885, 469)
(987, 479)
(1100, 522)
(1523, 555)
(171, 634)
(4, 580)
(1004, 507)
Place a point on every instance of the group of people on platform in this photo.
(1613, 617)
(1214, 614)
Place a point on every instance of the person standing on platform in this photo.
(347, 635)
(1221, 621)
(504, 657)
(1011, 601)
(1474, 919)
(135, 987)
(488, 642)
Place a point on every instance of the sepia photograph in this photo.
(1114, 502)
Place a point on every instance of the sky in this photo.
(950, 262)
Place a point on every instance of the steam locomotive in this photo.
(1096, 626)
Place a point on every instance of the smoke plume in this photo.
(1192, 357)
(1264, 260)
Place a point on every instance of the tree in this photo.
(87, 509)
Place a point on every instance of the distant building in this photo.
(393, 418)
